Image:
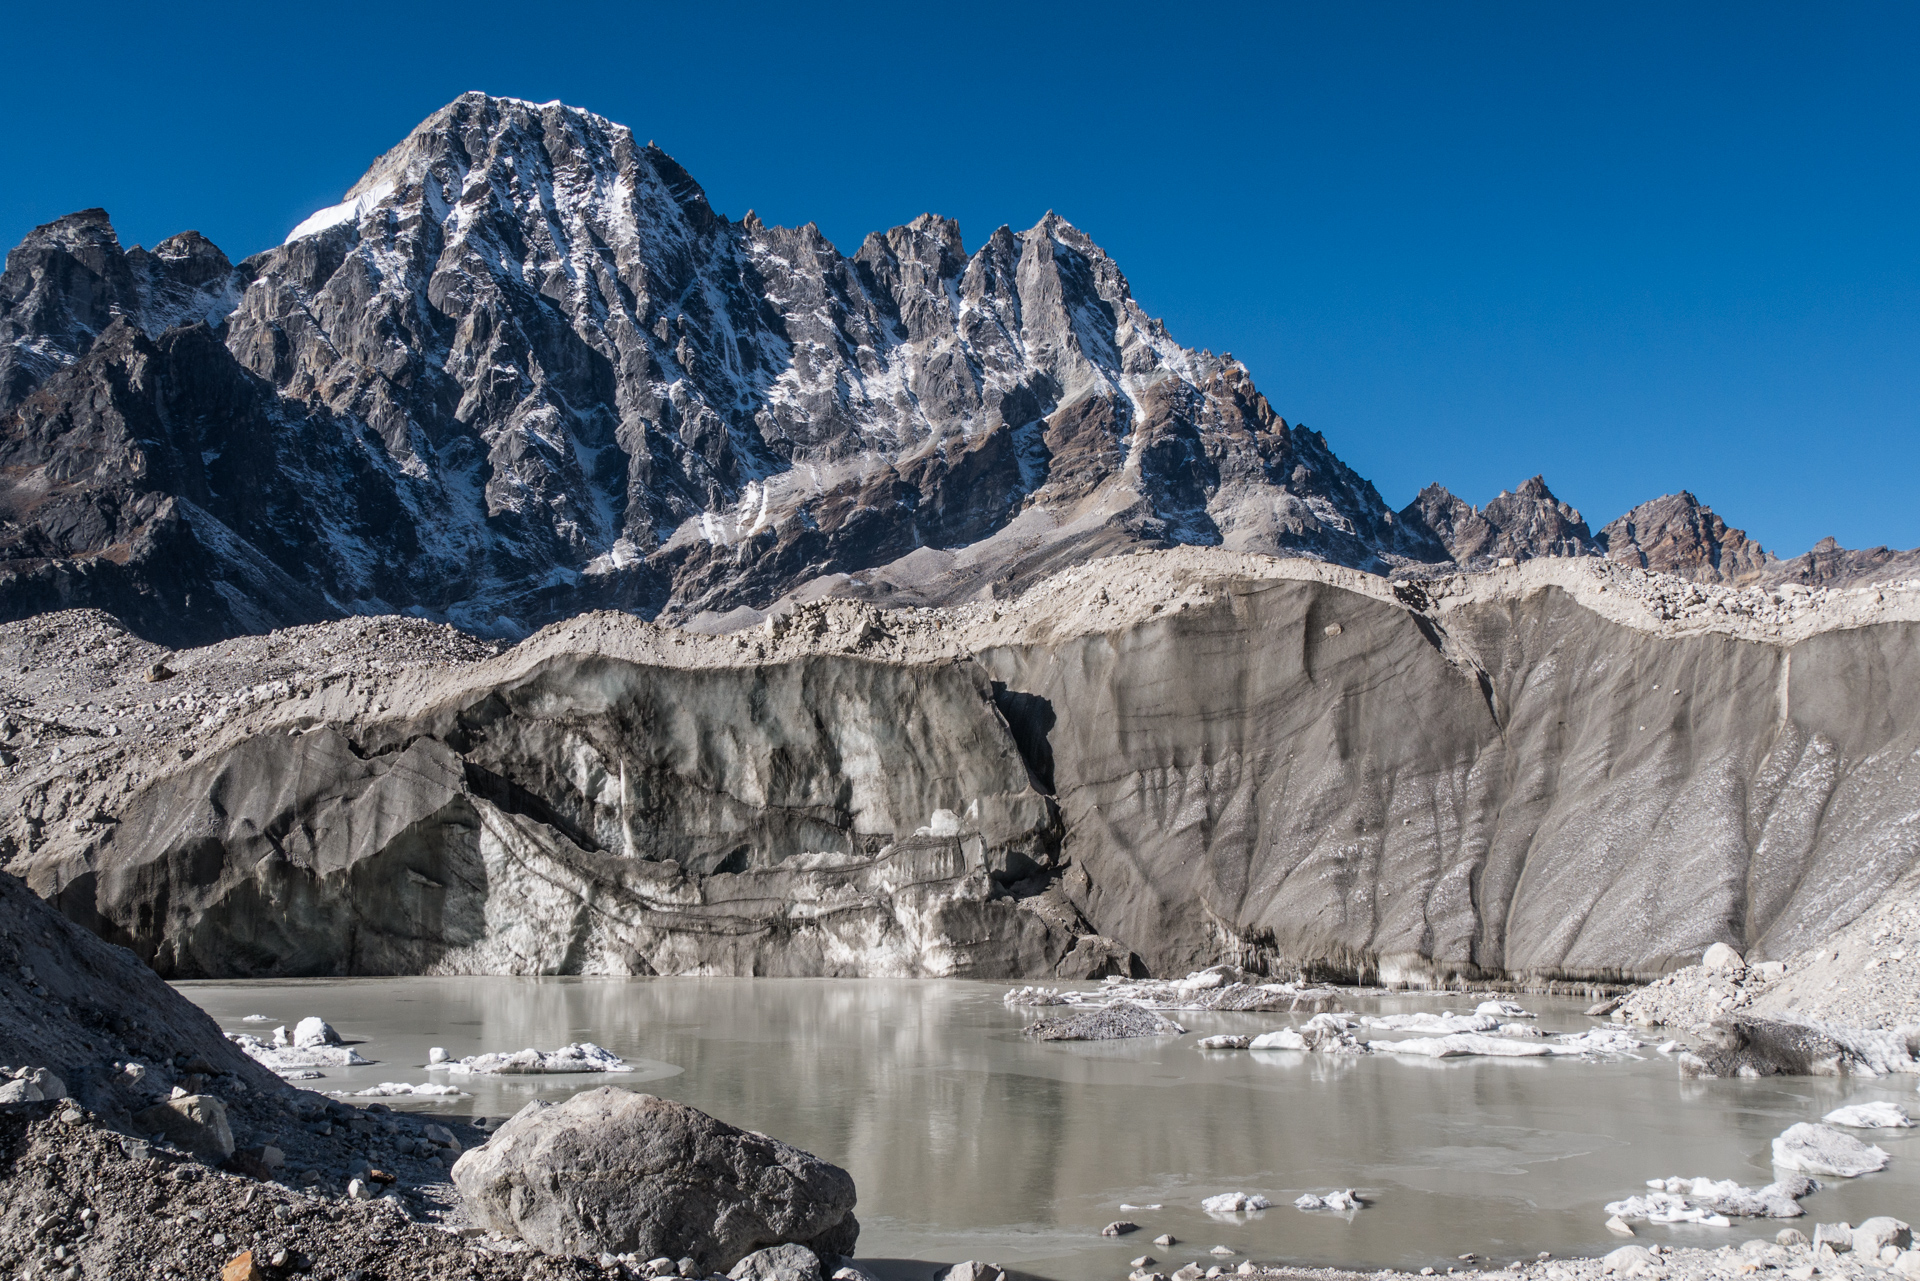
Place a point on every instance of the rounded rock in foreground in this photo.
(611, 1169)
(776, 1263)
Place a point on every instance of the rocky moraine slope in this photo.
(1567, 769)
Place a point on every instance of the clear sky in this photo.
(1637, 247)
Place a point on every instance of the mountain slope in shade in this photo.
(525, 369)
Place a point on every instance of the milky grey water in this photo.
(968, 1141)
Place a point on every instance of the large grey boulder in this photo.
(196, 1122)
(1763, 1047)
(612, 1170)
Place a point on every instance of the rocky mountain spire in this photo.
(1523, 524)
(1678, 534)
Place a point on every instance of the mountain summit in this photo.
(524, 369)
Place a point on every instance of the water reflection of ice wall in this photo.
(969, 1141)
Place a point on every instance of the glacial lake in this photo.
(968, 1141)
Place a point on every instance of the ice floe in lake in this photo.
(1226, 1042)
(256, 1018)
(1504, 1010)
(583, 1056)
(1155, 1206)
(398, 1089)
(1869, 1116)
(282, 1059)
(1339, 1200)
(1446, 1023)
(1821, 1149)
(1465, 1043)
(1611, 1041)
(308, 1033)
(1235, 1203)
(1320, 1040)
(1709, 1202)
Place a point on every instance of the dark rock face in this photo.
(76, 1004)
(1677, 534)
(612, 1170)
(1523, 524)
(526, 370)
(775, 821)
(1763, 1047)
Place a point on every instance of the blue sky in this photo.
(1638, 248)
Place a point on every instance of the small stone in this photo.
(1630, 1261)
(155, 673)
(972, 1270)
(1723, 959)
(1426, 1272)
(241, 1267)
(1165, 1239)
(1119, 1228)
(359, 1191)
(1144, 1261)
(1792, 1238)
(1221, 1249)
(687, 1268)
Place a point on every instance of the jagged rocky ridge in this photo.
(525, 370)
(1572, 769)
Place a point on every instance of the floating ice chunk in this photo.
(1465, 1043)
(1340, 1200)
(1602, 1040)
(583, 1056)
(1155, 1206)
(1234, 1203)
(1701, 1200)
(1330, 1021)
(282, 1059)
(1442, 1024)
(395, 1089)
(1322, 1038)
(1505, 1010)
(256, 1018)
(314, 1030)
(1821, 1149)
(1869, 1116)
(1225, 1042)
(1035, 996)
(438, 1054)
(1667, 1047)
